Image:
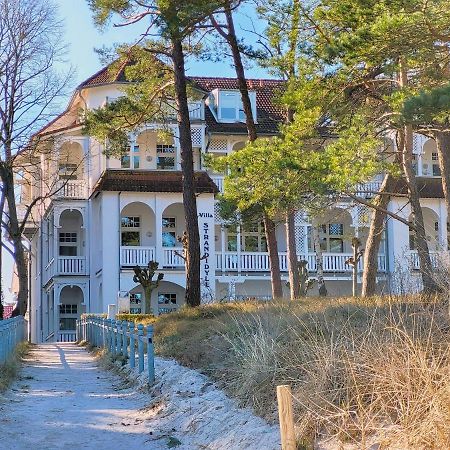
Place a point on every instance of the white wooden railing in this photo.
(219, 181)
(70, 189)
(136, 256)
(171, 258)
(196, 110)
(67, 336)
(435, 257)
(71, 265)
(259, 262)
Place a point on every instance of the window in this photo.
(165, 157)
(131, 222)
(230, 106)
(253, 238)
(330, 237)
(436, 168)
(130, 231)
(68, 309)
(167, 303)
(131, 159)
(135, 303)
(68, 244)
(67, 171)
(169, 225)
(68, 323)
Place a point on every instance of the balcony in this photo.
(368, 189)
(196, 111)
(219, 182)
(172, 258)
(259, 262)
(66, 265)
(70, 189)
(136, 256)
(437, 259)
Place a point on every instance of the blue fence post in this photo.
(113, 336)
(119, 337)
(132, 344)
(150, 355)
(125, 338)
(141, 347)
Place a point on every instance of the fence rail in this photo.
(12, 332)
(120, 338)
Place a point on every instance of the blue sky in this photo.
(82, 37)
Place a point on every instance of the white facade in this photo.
(87, 237)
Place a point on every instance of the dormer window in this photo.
(229, 106)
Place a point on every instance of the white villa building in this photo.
(106, 215)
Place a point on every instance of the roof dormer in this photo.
(226, 105)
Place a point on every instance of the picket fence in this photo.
(12, 332)
(120, 338)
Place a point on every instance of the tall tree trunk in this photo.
(443, 148)
(406, 147)
(369, 278)
(192, 295)
(230, 37)
(16, 238)
(426, 268)
(2, 206)
(272, 246)
(240, 74)
(319, 261)
(294, 279)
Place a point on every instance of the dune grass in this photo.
(10, 370)
(361, 370)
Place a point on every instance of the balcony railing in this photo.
(136, 256)
(70, 189)
(259, 262)
(66, 265)
(218, 180)
(172, 257)
(71, 265)
(368, 189)
(437, 258)
(196, 111)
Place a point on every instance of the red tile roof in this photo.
(112, 73)
(151, 181)
(269, 114)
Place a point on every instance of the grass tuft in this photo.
(9, 371)
(362, 371)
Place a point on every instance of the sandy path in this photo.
(64, 401)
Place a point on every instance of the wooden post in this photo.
(286, 416)
(141, 347)
(132, 350)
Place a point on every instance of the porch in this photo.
(259, 262)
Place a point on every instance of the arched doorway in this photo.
(71, 300)
(173, 225)
(167, 297)
(137, 235)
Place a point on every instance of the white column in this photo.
(443, 225)
(419, 164)
(223, 248)
(238, 248)
(159, 251)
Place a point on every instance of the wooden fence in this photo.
(120, 338)
(12, 332)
